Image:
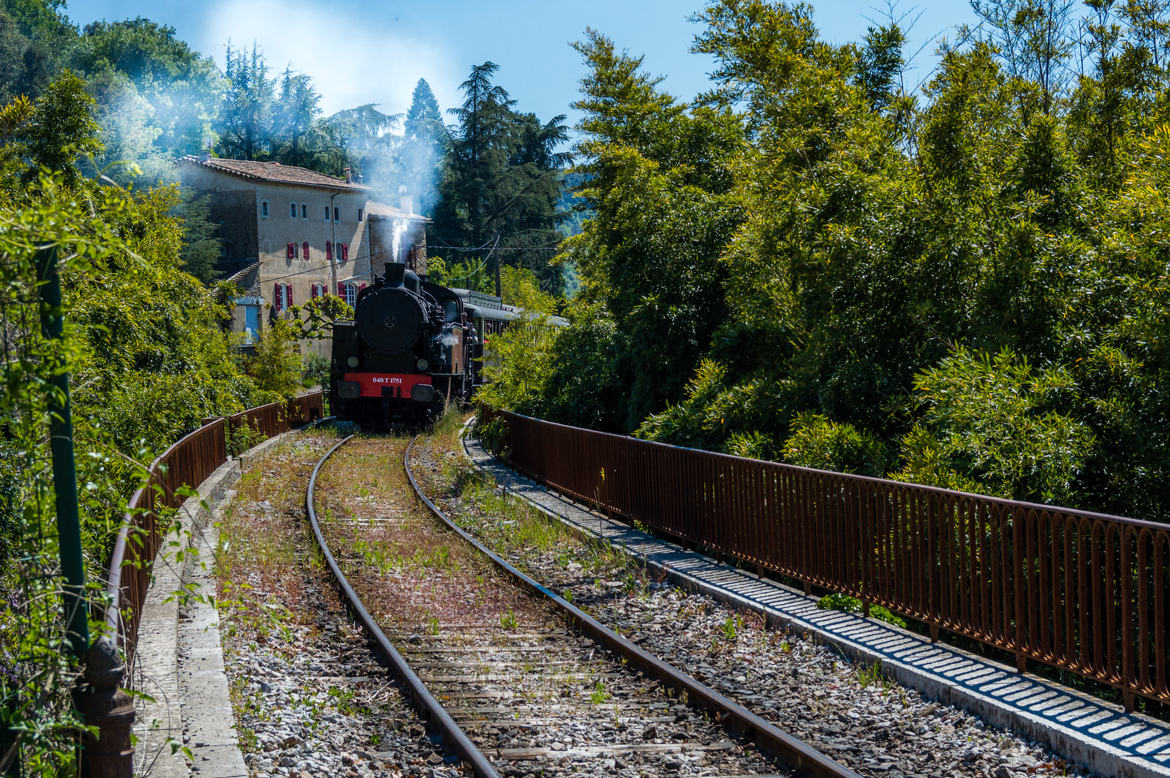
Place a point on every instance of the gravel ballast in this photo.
(851, 713)
(310, 699)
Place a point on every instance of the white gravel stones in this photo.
(310, 699)
(851, 713)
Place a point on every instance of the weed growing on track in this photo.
(417, 572)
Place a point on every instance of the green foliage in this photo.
(201, 245)
(423, 139)
(817, 442)
(656, 174)
(966, 288)
(465, 274)
(315, 370)
(157, 97)
(147, 360)
(243, 437)
(501, 182)
(276, 365)
(520, 287)
(847, 604)
(997, 420)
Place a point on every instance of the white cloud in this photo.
(352, 59)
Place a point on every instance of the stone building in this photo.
(289, 234)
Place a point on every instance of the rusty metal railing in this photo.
(1083, 592)
(279, 417)
(188, 462)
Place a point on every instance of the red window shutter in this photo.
(339, 289)
(363, 286)
(344, 252)
(305, 250)
(291, 250)
(313, 291)
(288, 294)
(328, 251)
(276, 297)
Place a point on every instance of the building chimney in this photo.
(349, 175)
(205, 154)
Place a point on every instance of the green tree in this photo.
(997, 423)
(276, 366)
(143, 68)
(245, 123)
(501, 181)
(419, 156)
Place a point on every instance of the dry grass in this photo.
(413, 573)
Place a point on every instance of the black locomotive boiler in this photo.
(410, 349)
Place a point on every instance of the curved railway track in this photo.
(547, 689)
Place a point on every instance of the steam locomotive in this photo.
(412, 347)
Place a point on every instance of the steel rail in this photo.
(424, 701)
(791, 751)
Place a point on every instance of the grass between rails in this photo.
(414, 575)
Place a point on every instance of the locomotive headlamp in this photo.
(352, 361)
(422, 365)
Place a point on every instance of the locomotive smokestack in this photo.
(395, 272)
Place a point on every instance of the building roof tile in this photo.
(272, 172)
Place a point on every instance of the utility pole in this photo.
(100, 701)
(64, 473)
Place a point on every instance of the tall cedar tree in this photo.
(423, 141)
(501, 182)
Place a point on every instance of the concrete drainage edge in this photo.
(169, 712)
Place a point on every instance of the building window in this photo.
(292, 210)
(360, 214)
(348, 292)
(305, 250)
(304, 211)
(281, 297)
(327, 213)
(336, 214)
(263, 209)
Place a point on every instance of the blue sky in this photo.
(363, 52)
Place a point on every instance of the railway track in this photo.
(515, 679)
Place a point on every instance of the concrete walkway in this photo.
(1081, 728)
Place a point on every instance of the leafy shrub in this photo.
(10, 494)
(993, 422)
(847, 604)
(276, 365)
(243, 437)
(315, 370)
(815, 441)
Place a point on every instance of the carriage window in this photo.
(451, 310)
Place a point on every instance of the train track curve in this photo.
(727, 715)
